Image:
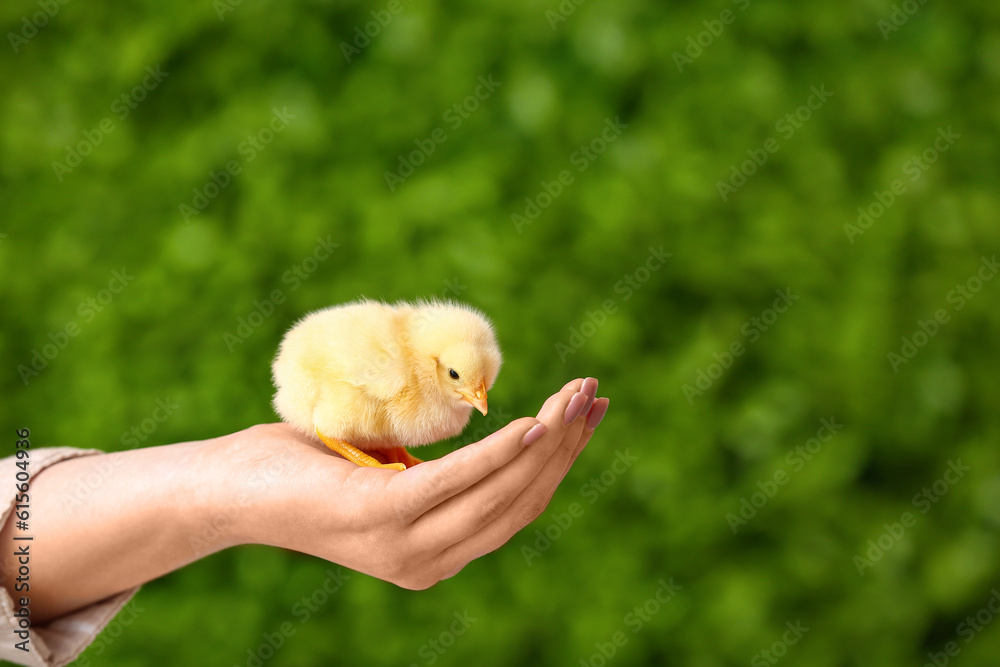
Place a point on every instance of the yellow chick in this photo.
(372, 377)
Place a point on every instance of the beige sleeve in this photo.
(61, 640)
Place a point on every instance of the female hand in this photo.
(416, 527)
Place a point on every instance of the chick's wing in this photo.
(370, 352)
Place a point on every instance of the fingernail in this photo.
(586, 407)
(589, 387)
(575, 408)
(534, 433)
(597, 415)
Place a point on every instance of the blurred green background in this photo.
(149, 108)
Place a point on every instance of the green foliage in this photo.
(792, 226)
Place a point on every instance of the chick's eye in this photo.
(452, 373)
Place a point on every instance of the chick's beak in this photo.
(478, 399)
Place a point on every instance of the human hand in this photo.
(416, 527)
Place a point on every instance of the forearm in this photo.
(103, 524)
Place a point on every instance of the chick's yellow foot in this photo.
(399, 455)
(355, 455)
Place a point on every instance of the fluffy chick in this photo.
(368, 376)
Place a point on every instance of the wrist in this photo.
(257, 497)
(221, 514)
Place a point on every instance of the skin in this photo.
(164, 507)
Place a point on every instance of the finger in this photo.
(466, 513)
(434, 482)
(431, 483)
(589, 387)
(525, 509)
(492, 511)
(494, 536)
(594, 418)
(598, 412)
